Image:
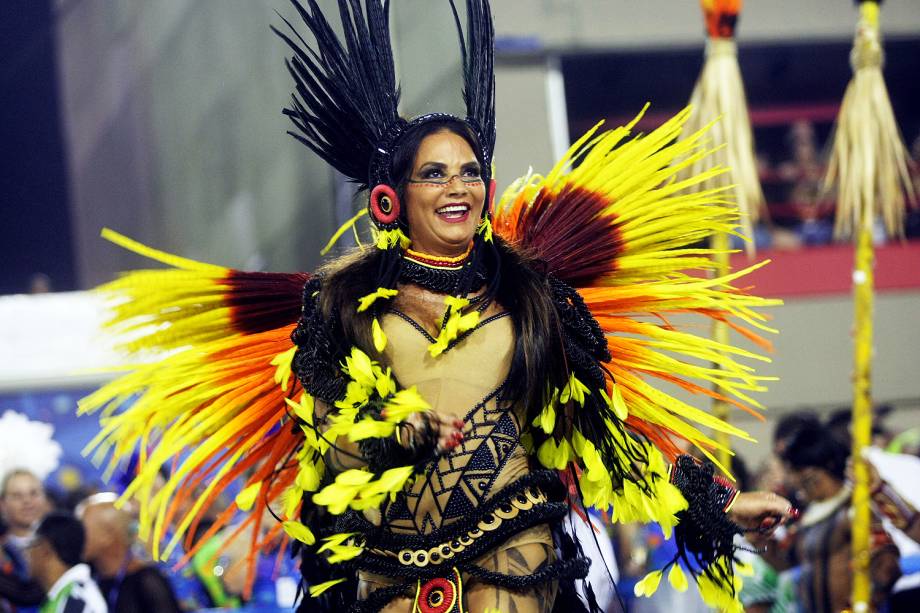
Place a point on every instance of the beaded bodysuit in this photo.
(464, 381)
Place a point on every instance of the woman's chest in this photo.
(472, 368)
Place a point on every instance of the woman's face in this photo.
(444, 196)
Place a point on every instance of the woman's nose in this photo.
(456, 186)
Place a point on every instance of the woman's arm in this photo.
(716, 512)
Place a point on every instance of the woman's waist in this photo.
(532, 499)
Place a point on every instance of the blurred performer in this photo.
(55, 555)
(130, 584)
(817, 462)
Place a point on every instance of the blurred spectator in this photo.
(766, 590)
(788, 425)
(223, 568)
(55, 560)
(772, 586)
(905, 442)
(786, 429)
(191, 587)
(22, 505)
(40, 283)
(16, 590)
(816, 463)
(211, 566)
(896, 497)
(840, 421)
(804, 174)
(129, 583)
(912, 223)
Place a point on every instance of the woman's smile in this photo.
(457, 212)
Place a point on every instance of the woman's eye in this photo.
(471, 172)
(432, 173)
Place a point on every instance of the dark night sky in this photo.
(35, 229)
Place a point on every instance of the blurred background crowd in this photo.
(162, 121)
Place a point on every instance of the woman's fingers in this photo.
(762, 511)
(450, 434)
(431, 426)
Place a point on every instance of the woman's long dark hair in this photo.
(516, 283)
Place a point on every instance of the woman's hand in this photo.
(432, 428)
(762, 512)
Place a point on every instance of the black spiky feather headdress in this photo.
(345, 107)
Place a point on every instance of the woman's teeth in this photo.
(453, 211)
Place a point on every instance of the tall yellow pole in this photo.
(862, 414)
(869, 166)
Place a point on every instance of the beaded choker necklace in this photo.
(438, 273)
(438, 261)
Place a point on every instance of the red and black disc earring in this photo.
(384, 204)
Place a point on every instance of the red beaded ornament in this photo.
(440, 595)
(491, 201)
(384, 204)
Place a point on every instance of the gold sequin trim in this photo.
(443, 552)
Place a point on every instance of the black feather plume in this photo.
(477, 48)
(345, 106)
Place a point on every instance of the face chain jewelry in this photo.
(443, 183)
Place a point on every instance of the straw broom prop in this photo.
(718, 99)
(869, 167)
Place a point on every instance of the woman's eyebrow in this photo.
(443, 165)
(440, 165)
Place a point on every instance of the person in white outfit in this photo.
(55, 561)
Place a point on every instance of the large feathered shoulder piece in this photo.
(611, 221)
(211, 408)
(624, 242)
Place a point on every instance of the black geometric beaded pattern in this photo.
(442, 280)
(316, 361)
(704, 528)
(584, 341)
(457, 483)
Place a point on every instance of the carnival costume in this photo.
(605, 238)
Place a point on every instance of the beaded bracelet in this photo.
(709, 499)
